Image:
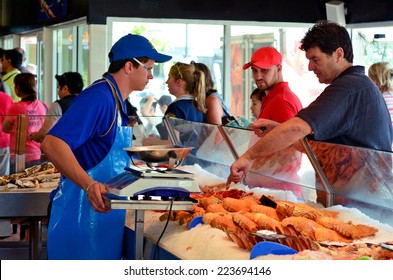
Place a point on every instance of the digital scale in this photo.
(137, 182)
(149, 187)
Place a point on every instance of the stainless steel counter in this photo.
(27, 207)
(140, 206)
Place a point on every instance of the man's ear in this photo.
(339, 54)
(65, 87)
(128, 66)
(279, 68)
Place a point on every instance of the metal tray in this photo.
(158, 153)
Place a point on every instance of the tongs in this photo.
(269, 235)
(264, 200)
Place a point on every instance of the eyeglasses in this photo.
(141, 64)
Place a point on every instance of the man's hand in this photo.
(262, 126)
(95, 194)
(239, 170)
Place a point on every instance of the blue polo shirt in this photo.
(89, 125)
(184, 108)
(351, 111)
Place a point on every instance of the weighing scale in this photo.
(138, 182)
(152, 187)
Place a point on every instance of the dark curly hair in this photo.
(328, 36)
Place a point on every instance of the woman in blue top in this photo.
(187, 84)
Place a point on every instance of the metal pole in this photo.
(20, 145)
(171, 131)
(35, 239)
(139, 233)
(318, 169)
(228, 140)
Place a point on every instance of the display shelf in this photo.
(314, 171)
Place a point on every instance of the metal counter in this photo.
(29, 206)
(140, 206)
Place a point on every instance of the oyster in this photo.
(43, 175)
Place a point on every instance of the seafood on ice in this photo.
(241, 216)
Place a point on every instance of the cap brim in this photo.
(58, 77)
(260, 64)
(159, 57)
(247, 65)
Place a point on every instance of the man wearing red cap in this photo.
(280, 103)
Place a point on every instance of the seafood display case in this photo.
(293, 184)
(313, 171)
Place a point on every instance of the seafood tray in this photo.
(38, 176)
(26, 194)
(314, 173)
(24, 198)
(247, 222)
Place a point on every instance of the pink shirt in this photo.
(280, 104)
(36, 111)
(5, 102)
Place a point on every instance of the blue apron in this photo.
(76, 231)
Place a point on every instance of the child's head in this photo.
(256, 102)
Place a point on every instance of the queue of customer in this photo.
(346, 112)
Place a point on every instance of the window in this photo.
(211, 42)
(198, 42)
(72, 50)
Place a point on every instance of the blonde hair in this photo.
(195, 82)
(381, 73)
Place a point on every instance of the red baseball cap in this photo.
(264, 58)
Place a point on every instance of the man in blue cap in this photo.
(86, 145)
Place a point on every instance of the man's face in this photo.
(265, 78)
(256, 105)
(325, 67)
(62, 91)
(143, 74)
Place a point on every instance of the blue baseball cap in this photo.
(132, 46)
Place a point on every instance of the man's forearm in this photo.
(279, 138)
(61, 155)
